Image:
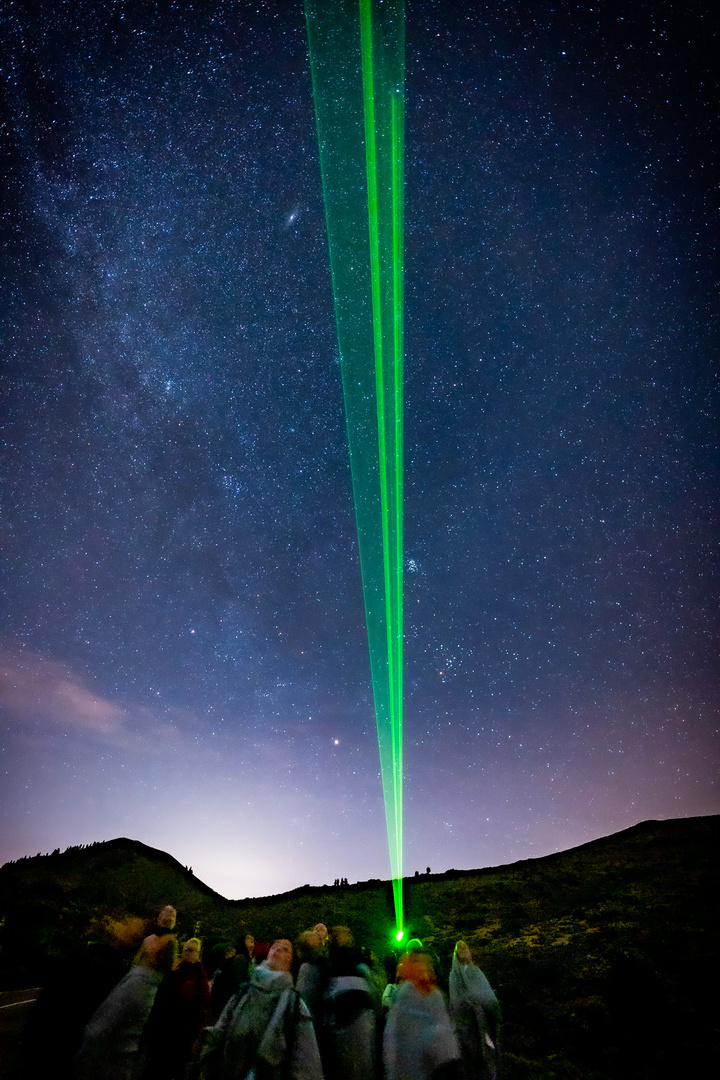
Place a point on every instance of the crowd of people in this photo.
(321, 1008)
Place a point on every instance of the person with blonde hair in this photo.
(178, 1015)
(476, 1014)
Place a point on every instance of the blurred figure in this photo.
(392, 966)
(389, 994)
(73, 992)
(222, 982)
(391, 962)
(249, 947)
(231, 974)
(313, 974)
(416, 945)
(419, 1042)
(265, 1031)
(178, 1015)
(476, 1014)
(349, 1012)
(111, 1039)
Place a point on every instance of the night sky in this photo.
(184, 657)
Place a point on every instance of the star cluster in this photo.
(183, 640)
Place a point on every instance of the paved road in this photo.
(14, 1009)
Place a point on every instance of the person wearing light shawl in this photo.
(111, 1040)
(476, 1014)
(265, 1030)
(419, 1042)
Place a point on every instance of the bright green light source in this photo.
(357, 60)
(400, 935)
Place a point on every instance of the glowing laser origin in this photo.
(357, 60)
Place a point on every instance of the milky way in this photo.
(184, 650)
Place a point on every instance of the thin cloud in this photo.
(39, 695)
(35, 688)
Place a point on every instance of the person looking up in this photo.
(265, 1030)
(419, 1042)
(313, 974)
(111, 1038)
(349, 1011)
(178, 1014)
(476, 1014)
(231, 974)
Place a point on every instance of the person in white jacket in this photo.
(419, 1041)
(476, 1014)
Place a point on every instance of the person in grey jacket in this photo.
(265, 1030)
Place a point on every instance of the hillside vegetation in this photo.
(600, 955)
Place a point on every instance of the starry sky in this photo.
(184, 657)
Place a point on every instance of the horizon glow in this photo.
(357, 66)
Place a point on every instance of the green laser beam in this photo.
(357, 63)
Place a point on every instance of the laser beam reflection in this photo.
(357, 61)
